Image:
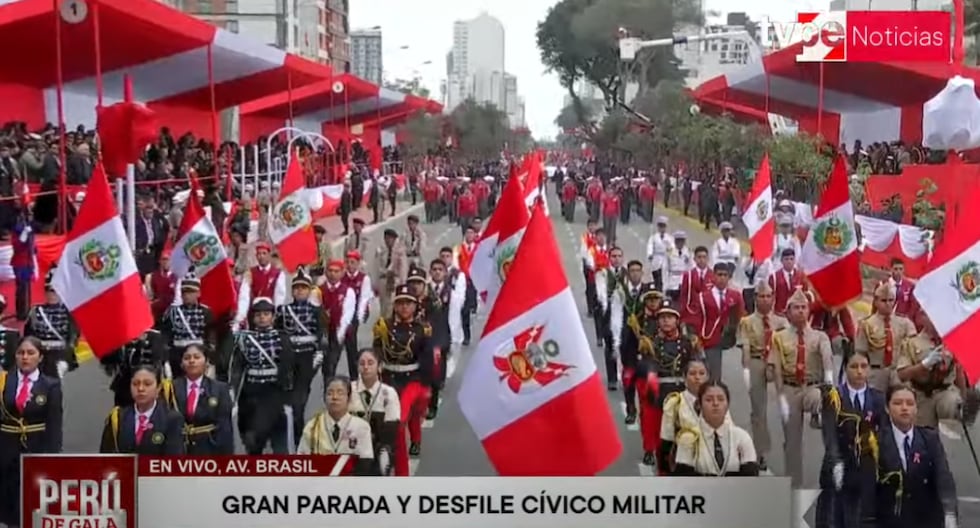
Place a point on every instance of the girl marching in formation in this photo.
(869, 477)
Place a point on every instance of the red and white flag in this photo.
(97, 277)
(199, 246)
(291, 221)
(497, 246)
(531, 176)
(830, 258)
(949, 293)
(758, 217)
(532, 380)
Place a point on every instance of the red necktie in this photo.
(766, 336)
(24, 394)
(192, 400)
(142, 427)
(889, 344)
(800, 358)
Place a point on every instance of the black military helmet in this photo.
(667, 307)
(302, 278)
(190, 282)
(263, 304)
(416, 274)
(649, 290)
(403, 293)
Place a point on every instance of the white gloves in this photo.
(384, 461)
(168, 371)
(747, 377)
(838, 474)
(828, 377)
(235, 325)
(62, 369)
(950, 521)
(317, 360)
(784, 407)
(933, 358)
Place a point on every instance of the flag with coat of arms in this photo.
(291, 220)
(498, 244)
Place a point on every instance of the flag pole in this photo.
(130, 176)
(59, 91)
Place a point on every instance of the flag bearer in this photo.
(52, 324)
(188, 323)
(262, 370)
(205, 404)
(300, 320)
(637, 344)
(660, 246)
(801, 361)
(935, 377)
(586, 251)
(335, 431)
(661, 373)
(150, 349)
(627, 304)
(609, 321)
(30, 421)
(462, 257)
(264, 279)
(408, 364)
(881, 335)
(360, 283)
(377, 403)
(456, 276)
(443, 307)
(338, 303)
(755, 334)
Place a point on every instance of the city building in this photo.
(710, 58)
(890, 5)
(476, 69)
(315, 29)
(366, 55)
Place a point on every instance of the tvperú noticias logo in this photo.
(864, 36)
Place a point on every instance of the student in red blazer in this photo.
(693, 283)
(786, 280)
(721, 308)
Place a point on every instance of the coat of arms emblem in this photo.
(833, 236)
(289, 215)
(530, 361)
(762, 210)
(99, 261)
(504, 259)
(202, 250)
(967, 281)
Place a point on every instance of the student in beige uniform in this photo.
(680, 414)
(881, 335)
(378, 404)
(755, 333)
(801, 361)
(718, 447)
(335, 431)
(934, 374)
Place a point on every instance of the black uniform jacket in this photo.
(209, 430)
(166, 437)
(922, 495)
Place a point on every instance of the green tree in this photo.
(481, 128)
(422, 133)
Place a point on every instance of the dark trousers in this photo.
(658, 280)
(345, 221)
(22, 280)
(261, 419)
(469, 307)
(591, 301)
(350, 348)
(331, 356)
(604, 339)
(301, 391)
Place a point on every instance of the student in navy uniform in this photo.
(915, 486)
(149, 426)
(30, 421)
(206, 406)
(853, 418)
(52, 323)
(9, 339)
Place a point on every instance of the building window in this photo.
(205, 7)
(295, 35)
(232, 25)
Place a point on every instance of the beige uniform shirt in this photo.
(818, 360)
(871, 337)
(916, 349)
(736, 445)
(752, 333)
(354, 438)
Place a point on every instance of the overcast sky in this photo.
(426, 27)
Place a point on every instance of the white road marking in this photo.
(971, 500)
(451, 366)
(635, 426)
(645, 470)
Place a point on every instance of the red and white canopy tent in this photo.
(181, 66)
(739, 113)
(844, 102)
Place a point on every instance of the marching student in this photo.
(31, 407)
(53, 325)
(378, 404)
(205, 404)
(718, 447)
(149, 426)
(301, 321)
(680, 414)
(335, 431)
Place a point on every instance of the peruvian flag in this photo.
(331, 195)
(497, 246)
(949, 293)
(830, 258)
(532, 380)
(97, 277)
(199, 246)
(758, 216)
(531, 179)
(291, 221)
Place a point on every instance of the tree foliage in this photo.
(422, 134)
(481, 129)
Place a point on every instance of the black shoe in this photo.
(763, 465)
(433, 411)
(612, 386)
(630, 417)
(466, 342)
(649, 459)
(415, 449)
(815, 420)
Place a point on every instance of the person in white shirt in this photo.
(680, 260)
(786, 236)
(378, 404)
(335, 431)
(659, 245)
(726, 249)
(262, 280)
(718, 447)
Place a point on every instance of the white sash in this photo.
(44, 317)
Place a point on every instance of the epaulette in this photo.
(673, 400)
(380, 330)
(833, 399)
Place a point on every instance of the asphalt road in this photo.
(449, 447)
